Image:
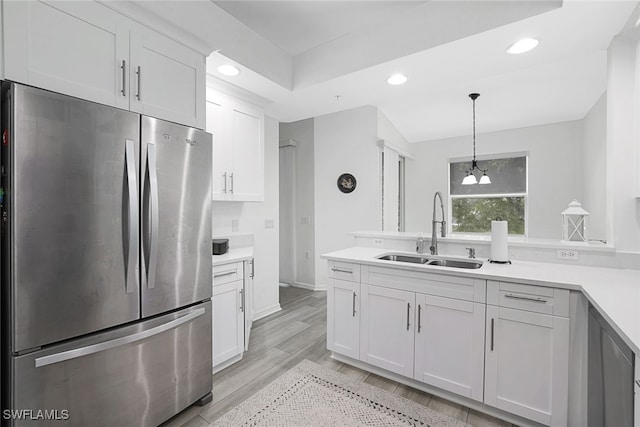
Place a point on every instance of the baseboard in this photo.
(309, 286)
(220, 366)
(266, 311)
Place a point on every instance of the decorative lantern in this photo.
(574, 223)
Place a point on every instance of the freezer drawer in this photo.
(139, 375)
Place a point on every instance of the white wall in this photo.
(344, 142)
(555, 172)
(594, 159)
(388, 132)
(623, 208)
(302, 230)
(252, 218)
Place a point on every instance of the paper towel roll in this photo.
(499, 246)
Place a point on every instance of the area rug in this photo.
(312, 395)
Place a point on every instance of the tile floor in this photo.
(279, 342)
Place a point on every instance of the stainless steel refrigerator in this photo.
(106, 263)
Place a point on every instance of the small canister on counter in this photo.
(220, 246)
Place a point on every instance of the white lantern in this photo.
(574, 223)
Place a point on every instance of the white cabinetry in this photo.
(87, 50)
(636, 390)
(232, 311)
(449, 350)
(527, 351)
(386, 334)
(238, 147)
(343, 321)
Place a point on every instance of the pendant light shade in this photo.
(471, 178)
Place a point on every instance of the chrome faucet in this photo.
(443, 225)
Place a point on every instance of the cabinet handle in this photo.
(124, 77)
(253, 268)
(242, 300)
(492, 322)
(228, 273)
(638, 383)
(354, 305)
(224, 180)
(139, 73)
(533, 299)
(231, 177)
(408, 308)
(419, 321)
(339, 270)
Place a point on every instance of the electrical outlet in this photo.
(235, 225)
(378, 242)
(269, 223)
(307, 254)
(567, 254)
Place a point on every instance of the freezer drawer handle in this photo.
(132, 262)
(534, 299)
(118, 342)
(153, 201)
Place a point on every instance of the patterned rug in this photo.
(312, 395)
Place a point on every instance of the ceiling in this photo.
(310, 58)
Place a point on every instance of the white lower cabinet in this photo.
(527, 356)
(343, 321)
(232, 311)
(386, 329)
(449, 344)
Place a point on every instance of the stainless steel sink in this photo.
(416, 259)
(442, 262)
(455, 263)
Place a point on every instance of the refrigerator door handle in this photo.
(118, 342)
(153, 200)
(133, 249)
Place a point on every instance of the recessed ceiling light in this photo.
(228, 70)
(397, 79)
(522, 46)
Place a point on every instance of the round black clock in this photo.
(346, 183)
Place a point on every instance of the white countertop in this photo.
(233, 255)
(614, 292)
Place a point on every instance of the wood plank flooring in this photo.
(282, 340)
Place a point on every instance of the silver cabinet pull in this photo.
(228, 273)
(118, 342)
(224, 180)
(339, 270)
(231, 188)
(242, 300)
(408, 308)
(354, 305)
(492, 322)
(139, 74)
(419, 321)
(154, 212)
(533, 299)
(123, 67)
(253, 268)
(132, 187)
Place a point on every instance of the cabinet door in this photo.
(247, 175)
(216, 127)
(167, 80)
(449, 344)
(386, 338)
(343, 318)
(75, 48)
(228, 321)
(527, 358)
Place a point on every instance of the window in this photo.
(473, 207)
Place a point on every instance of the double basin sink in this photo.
(443, 262)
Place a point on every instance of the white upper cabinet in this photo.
(167, 80)
(238, 148)
(89, 51)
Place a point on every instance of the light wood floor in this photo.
(282, 340)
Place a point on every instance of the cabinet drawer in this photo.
(344, 271)
(227, 273)
(538, 299)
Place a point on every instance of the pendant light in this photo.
(471, 178)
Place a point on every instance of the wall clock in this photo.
(346, 183)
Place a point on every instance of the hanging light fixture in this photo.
(471, 178)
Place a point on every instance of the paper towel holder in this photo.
(492, 261)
